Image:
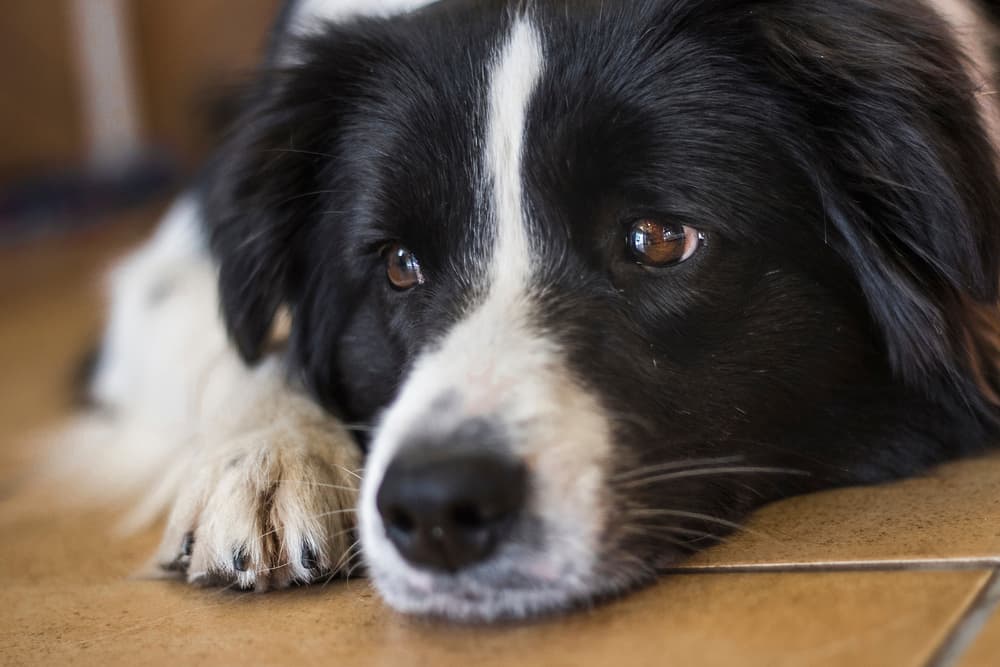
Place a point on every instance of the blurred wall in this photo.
(190, 51)
(182, 51)
(40, 112)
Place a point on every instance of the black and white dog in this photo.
(588, 281)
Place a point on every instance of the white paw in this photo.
(266, 510)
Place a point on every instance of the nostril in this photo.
(401, 520)
(467, 516)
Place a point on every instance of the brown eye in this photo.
(402, 267)
(656, 244)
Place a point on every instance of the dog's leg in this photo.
(260, 481)
(269, 494)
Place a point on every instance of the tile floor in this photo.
(903, 574)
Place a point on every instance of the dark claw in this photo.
(183, 560)
(309, 560)
(187, 546)
(177, 565)
(240, 560)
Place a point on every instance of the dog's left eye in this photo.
(657, 244)
(402, 267)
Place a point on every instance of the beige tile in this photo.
(985, 648)
(727, 619)
(953, 513)
(66, 599)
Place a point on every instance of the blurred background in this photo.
(109, 106)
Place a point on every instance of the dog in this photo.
(579, 285)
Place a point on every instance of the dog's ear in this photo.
(907, 176)
(263, 190)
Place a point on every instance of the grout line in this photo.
(986, 563)
(969, 626)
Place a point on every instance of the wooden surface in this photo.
(66, 596)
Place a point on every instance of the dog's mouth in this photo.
(524, 577)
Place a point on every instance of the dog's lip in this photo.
(440, 596)
(508, 576)
(466, 598)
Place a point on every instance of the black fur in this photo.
(831, 151)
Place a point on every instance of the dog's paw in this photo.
(267, 510)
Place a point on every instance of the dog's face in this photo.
(604, 278)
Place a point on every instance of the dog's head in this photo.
(605, 276)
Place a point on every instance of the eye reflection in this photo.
(402, 267)
(656, 244)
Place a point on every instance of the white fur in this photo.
(495, 364)
(173, 261)
(513, 83)
(309, 14)
(244, 460)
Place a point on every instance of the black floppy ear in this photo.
(253, 232)
(264, 186)
(907, 174)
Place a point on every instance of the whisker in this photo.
(675, 465)
(347, 577)
(276, 567)
(345, 531)
(703, 472)
(345, 559)
(697, 516)
(348, 555)
(347, 470)
(304, 195)
(346, 510)
(267, 534)
(319, 516)
(642, 529)
(676, 541)
(297, 152)
(754, 443)
(352, 563)
(319, 484)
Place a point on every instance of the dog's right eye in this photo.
(657, 244)
(402, 267)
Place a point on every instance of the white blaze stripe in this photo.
(467, 360)
(514, 81)
(310, 14)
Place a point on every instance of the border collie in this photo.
(584, 283)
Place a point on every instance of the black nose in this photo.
(448, 508)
